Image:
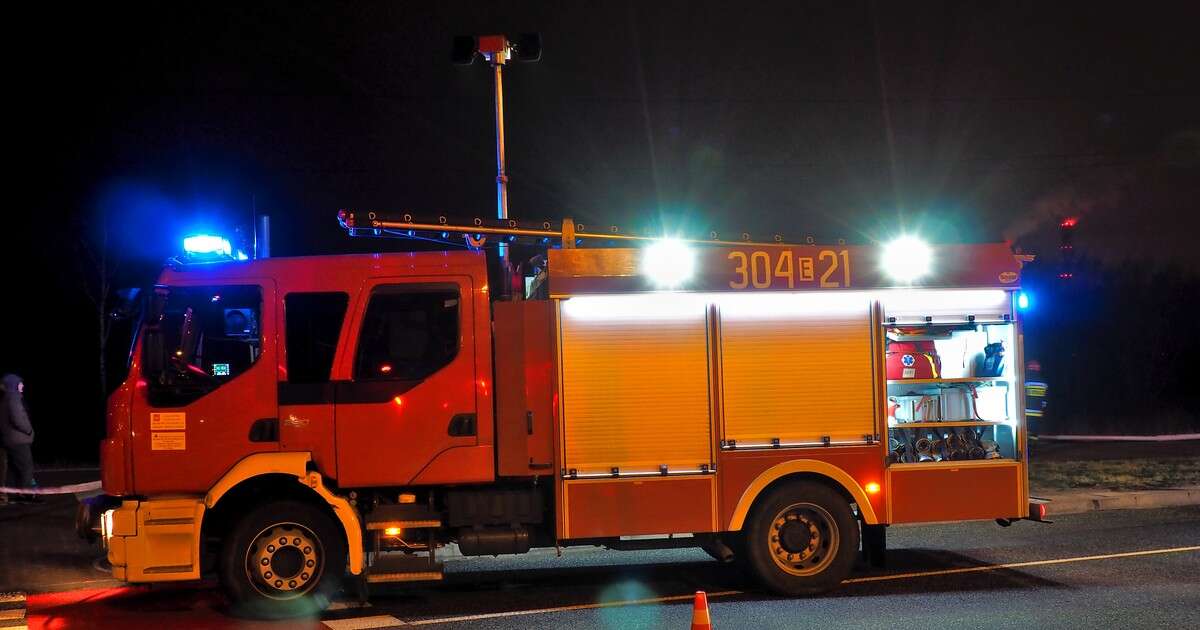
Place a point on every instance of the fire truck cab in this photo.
(294, 425)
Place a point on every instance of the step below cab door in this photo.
(406, 409)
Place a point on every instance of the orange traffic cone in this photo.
(700, 619)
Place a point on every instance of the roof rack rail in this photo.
(565, 233)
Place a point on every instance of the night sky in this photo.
(846, 119)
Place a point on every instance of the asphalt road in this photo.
(1100, 569)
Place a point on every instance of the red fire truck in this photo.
(295, 425)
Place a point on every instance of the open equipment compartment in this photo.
(954, 414)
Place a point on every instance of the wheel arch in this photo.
(806, 469)
(279, 476)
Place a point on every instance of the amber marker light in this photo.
(872, 488)
(392, 531)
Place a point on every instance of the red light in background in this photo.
(1069, 222)
(386, 368)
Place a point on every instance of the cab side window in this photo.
(408, 332)
(314, 323)
(198, 339)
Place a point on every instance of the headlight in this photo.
(907, 259)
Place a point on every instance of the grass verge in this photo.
(1116, 474)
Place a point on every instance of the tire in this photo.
(800, 539)
(265, 578)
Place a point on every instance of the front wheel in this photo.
(283, 559)
(800, 539)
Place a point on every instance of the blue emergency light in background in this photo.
(1024, 301)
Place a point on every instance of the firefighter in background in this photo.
(1035, 396)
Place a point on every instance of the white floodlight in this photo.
(668, 263)
(906, 259)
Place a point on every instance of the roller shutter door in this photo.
(797, 368)
(635, 383)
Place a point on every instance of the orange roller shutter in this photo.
(796, 370)
(635, 383)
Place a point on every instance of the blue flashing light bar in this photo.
(207, 245)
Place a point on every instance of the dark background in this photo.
(133, 125)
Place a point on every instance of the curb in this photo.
(1079, 502)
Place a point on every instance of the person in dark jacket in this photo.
(3, 473)
(16, 432)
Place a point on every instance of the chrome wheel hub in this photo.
(803, 539)
(284, 561)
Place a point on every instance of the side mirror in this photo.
(129, 304)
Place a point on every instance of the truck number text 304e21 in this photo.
(761, 269)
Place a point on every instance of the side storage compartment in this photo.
(635, 386)
(797, 370)
(525, 386)
(952, 491)
(636, 440)
(956, 444)
(597, 508)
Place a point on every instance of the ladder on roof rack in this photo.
(567, 234)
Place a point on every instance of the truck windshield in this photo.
(199, 338)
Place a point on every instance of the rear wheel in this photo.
(283, 559)
(800, 539)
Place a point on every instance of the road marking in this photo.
(71, 489)
(12, 611)
(1016, 565)
(364, 623)
(348, 605)
(539, 611)
(63, 587)
(874, 578)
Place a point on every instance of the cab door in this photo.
(207, 396)
(410, 395)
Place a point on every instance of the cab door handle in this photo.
(265, 430)
(462, 425)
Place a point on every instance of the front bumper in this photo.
(154, 541)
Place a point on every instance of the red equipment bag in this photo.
(912, 359)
